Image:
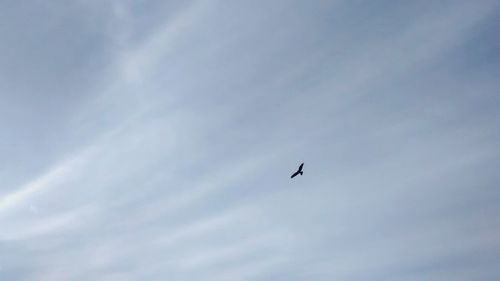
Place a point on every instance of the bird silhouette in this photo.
(299, 171)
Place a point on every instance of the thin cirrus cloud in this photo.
(165, 151)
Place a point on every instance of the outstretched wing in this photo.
(294, 174)
(300, 167)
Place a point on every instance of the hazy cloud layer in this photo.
(155, 141)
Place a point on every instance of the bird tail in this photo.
(301, 173)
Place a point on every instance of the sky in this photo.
(154, 140)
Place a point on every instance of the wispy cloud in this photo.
(56, 176)
(172, 161)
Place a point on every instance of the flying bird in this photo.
(299, 171)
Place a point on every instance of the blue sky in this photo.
(155, 140)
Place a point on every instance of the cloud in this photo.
(173, 160)
(55, 176)
(35, 227)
